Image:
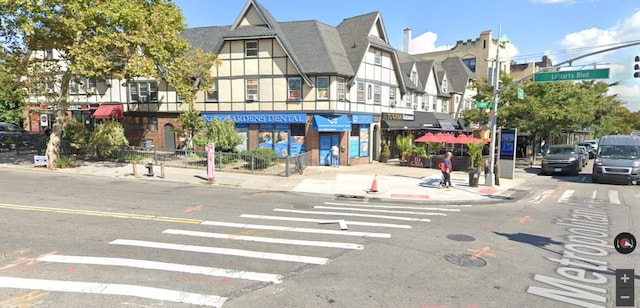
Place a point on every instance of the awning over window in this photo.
(331, 123)
(446, 124)
(108, 112)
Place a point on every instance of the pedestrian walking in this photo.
(335, 156)
(445, 167)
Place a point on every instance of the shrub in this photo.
(76, 135)
(134, 158)
(108, 138)
(261, 158)
(67, 162)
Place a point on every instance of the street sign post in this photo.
(601, 73)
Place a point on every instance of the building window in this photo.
(369, 92)
(211, 95)
(470, 63)
(377, 57)
(322, 87)
(377, 94)
(413, 77)
(392, 97)
(82, 85)
(409, 99)
(445, 86)
(251, 48)
(252, 90)
(342, 90)
(152, 125)
(48, 54)
(294, 85)
(360, 92)
(423, 102)
(143, 92)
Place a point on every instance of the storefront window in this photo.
(297, 139)
(354, 141)
(265, 136)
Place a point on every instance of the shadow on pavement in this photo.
(534, 240)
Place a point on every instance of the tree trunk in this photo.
(55, 137)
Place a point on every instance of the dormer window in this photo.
(251, 48)
(377, 57)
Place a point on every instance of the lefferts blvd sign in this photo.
(602, 73)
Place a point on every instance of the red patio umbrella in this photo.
(466, 139)
(429, 137)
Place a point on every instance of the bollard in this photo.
(162, 170)
(135, 169)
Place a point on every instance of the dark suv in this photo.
(561, 158)
(11, 133)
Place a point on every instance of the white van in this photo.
(617, 160)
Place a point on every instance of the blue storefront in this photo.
(282, 132)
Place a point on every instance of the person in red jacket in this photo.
(446, 166)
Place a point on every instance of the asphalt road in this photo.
(83, 241)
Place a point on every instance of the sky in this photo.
(560, 29)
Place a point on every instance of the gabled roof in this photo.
(458, 74)
(354, 33)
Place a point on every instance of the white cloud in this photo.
(426, 42)
(620, 61)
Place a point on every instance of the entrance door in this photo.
(326, 141)
(169, 137)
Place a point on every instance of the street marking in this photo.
(377, 211)
(525, 219)
(350, 222)
(293, 229)
(99, 213)
(613, 197)
(593, 195)
(353, 215)
(340, 222)
(172, 267)
(264, 239)
(541, 196)
(112, 289)
(25, 300)
(566, 195)
(394, 207)
(223, 251)
(191, 209)
(484, 251)
(25, 261)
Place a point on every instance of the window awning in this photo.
(331, 123)
(446, 124)
(108, 112)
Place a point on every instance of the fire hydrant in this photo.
(149, 167)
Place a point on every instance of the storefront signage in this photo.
(399, 117)
(259, 118)
(361, 119)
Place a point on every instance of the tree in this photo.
(222, 133)
(12, 97)
(123, 39)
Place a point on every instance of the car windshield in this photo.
(11, 127)
(619, 151)
(561, 151)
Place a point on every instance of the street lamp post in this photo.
(490, 176)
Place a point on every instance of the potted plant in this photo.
(475, 154)
(419, 157)
(385, 153)
(403, 143)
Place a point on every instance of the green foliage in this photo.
(222, 133)
(433, 148)
(67, 162)
(191, 122)
(403, 143)
(261, 158)
(475, 153)
(386, 152)
(76, 134)
(12, 97)
(108, 137)
(418, 151)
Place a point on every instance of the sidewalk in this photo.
(393, 182)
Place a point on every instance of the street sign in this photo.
(601, 73)
(484, 105)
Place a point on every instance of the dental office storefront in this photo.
(297, 133)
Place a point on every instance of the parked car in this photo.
(561, 158)
(617, 160)
(590, 149)
(594, 143)
(584, 155)
(11, 133)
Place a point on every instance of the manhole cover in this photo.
(460, 237)
(466, 260)
(301, 206)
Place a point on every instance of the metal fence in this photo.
(246, 162)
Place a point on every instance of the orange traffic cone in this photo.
(374, 185)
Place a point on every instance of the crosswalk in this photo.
(292, 228)
(612, 196)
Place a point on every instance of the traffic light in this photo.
(636, 67)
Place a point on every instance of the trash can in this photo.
(474, 178)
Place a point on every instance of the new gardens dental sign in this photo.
(259, 118)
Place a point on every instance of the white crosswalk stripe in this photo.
(354, 215)
(313, 220)
(540, 197)
(613, 197)
(566, 195)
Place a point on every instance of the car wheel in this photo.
(576, 172)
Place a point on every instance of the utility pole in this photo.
(490, 177)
